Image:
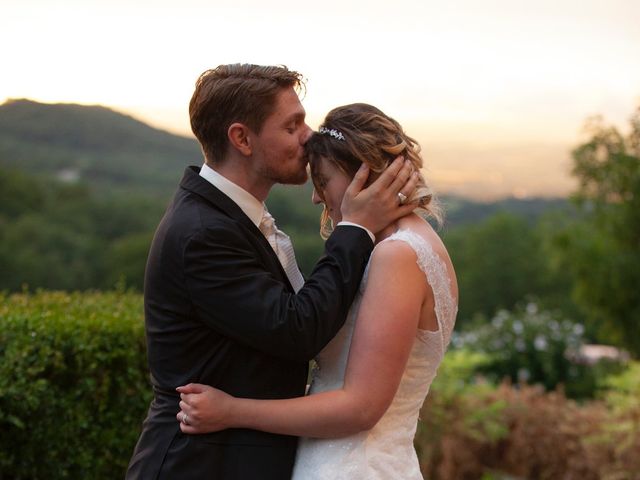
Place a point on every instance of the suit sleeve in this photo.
(235, 295)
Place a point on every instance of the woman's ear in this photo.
(240, 138)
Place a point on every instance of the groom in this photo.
(221, 306)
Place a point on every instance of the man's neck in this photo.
(245, 178)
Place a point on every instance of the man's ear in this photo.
(240, 138)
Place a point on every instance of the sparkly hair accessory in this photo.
(332, 132)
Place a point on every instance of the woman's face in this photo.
(329, 183)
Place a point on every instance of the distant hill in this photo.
(102, 181)
(107, 150)
(460, 211)
(114, 153)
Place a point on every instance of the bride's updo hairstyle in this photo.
(360, 133)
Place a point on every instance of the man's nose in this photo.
(306, 135)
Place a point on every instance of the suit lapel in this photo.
(193, 182)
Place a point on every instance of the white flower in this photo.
(540, 343)
(499, 318)
(518, 327)
(471, 338)
(523, 375)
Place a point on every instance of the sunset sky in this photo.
(497, 92)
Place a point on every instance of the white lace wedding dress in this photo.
(386, 451)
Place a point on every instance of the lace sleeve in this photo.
(435, 270)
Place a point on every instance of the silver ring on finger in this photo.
(185, 419)
(402, 197)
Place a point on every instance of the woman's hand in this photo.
(203, 409)
(378, 205)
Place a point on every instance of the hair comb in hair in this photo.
(332, 132)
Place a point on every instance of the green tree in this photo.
(498, 262)
(38, 253)
(300, 219)
(19, 194)
(126, 260)
(59, 235)
(602, 247)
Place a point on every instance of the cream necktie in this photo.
(283, 247)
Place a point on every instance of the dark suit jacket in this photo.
(219, 310)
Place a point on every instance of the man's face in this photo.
(278, 148)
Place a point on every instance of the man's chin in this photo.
(297, 179)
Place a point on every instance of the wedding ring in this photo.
(402, 197)
(184, 419)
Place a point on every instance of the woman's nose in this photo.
(315, 198)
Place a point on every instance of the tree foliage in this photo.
(499, 262)
(59, 236)
(602, 248)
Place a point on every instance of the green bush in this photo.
(473, 430)
(533, 346)
(74, 384)
(460, 405)
(619, 439)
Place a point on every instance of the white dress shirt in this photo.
(250, 205)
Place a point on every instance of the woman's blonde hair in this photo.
(360, 133)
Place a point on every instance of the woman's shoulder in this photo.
(414, 237)
(396, 252)
(424, 237)
(393, 249)
(416, 243)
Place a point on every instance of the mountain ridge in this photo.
(98, 145)
(115, 153)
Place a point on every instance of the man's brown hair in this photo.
(235, 93)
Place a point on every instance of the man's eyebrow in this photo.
(296, 117)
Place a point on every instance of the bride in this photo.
(371, 380)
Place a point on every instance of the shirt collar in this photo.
(250, 205)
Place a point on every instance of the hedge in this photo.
(74, 385)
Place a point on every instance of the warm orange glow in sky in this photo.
(496, 91)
